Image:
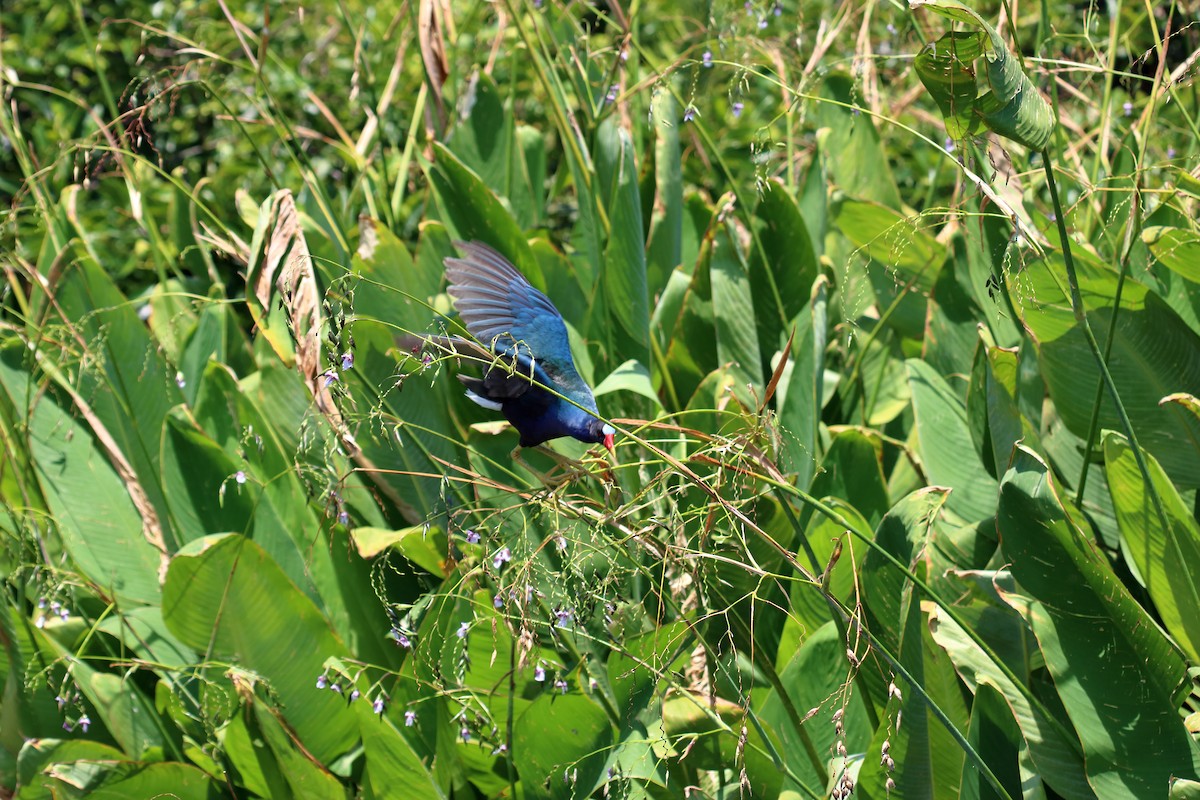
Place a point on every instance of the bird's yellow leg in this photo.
(571, 469)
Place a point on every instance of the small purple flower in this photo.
(84, 722)
(748, 5)
(463, 629)
(55, 606)
(64, 614)
(378, 705)
(1170, 152)
(736, 108)
(777, 10)
(503, 555)
(611, 97)
(42, 600)
(62, 701)
(472, 537)
(410, 718)
(347, 360)
(497, 602)
(949, 145)
(706, 59)
(503, 748)
(563, 617)
(322, 682)
(560, 542)
(239, 476)
(403, 640)
(337, 687)
(1127, 108)
(426, 360)
(539, 673)
(330, 377)
(67, 726)
(561, 685)
(891, 29)
(354, 695)
(344, 517)
(180, 381)
(762, 23)
(465, 733)
(689, 114)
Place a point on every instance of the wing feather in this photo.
(504, 311)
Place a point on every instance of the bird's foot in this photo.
(571, 469)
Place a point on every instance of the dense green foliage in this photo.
(904, 500)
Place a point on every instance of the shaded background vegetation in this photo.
(875, 521)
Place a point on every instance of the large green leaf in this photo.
(282, 518)
(952, 330)
(623, 278)
(132, 387)
(1001, 97)
(560, 746)
(94, 515)
(883, 378)
(120, 705)
(121, 780)
(225, 597)
(902, 533)
(1176, 249)
(996, 422)
(1154, 354)
(505, 156)
(734, 313)
(813, 678)
(664, 249)
(892, 239)
(692, 347)
(928, 762)
(472, 212)
(393, 766)
(800, 394)
(1167, 559)
(808, 603)
(629, 377)
(850, 145)
(38, 756)
(303, 777)
(783, 271)
(1123, 704)
(902, 260)
(944, 444)
(1054, 747)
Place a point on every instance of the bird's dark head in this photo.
(600, 432)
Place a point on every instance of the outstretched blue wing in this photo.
(507, 314)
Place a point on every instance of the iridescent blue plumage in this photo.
(523, 329)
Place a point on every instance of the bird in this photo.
(530, 375)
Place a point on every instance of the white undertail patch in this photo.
(483, 401)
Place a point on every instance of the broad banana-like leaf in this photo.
(1166, 558)
(999, 97)
(1134, 741)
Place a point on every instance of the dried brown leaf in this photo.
(433, 53)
